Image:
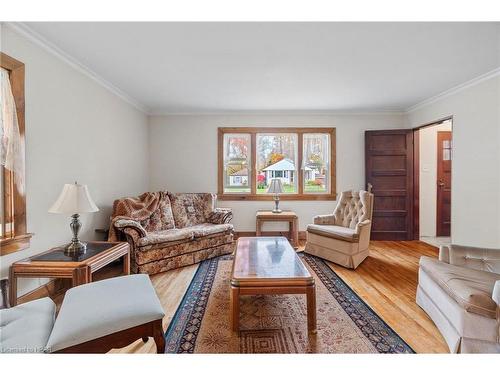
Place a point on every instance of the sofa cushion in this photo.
(471, 289)
(334, 231)
(206, 229)
(129, 302)
(162, 218)
(164, 236)
(191, 208)
(26, 328)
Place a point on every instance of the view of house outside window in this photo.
(250, 158)
(237, 163)
(276, 156)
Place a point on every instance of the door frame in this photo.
(416, 172)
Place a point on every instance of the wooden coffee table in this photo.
(55, 263)
(269, 265)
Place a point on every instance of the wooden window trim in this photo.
(300, 196)
(21, 239)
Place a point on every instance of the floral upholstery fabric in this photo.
(127, 223)
(157, 252)
(183, 260)
(167, 230)
(191, 208)
(220, 216)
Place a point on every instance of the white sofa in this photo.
(460, 292)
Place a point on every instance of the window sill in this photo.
(13, 244)
(270, 197)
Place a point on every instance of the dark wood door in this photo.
(389, 169)
(443, 214)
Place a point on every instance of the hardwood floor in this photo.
(386, 280)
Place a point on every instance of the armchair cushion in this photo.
(26, 328)
(334, 231)
(471, 289)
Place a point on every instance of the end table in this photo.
(56, 264)
(288, 216)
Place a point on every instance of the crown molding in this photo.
(454, 90)
(24, 30)
(159, 112)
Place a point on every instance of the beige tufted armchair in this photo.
(344, 236)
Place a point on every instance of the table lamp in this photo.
(276, 188)
(74, 200)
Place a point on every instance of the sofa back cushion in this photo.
(162, 218)
(191, 208)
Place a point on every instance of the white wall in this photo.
(476, 160)
(75, 130)
(183, 156)
(428, 177)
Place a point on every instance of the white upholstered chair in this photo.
(94, 318)
(460, 292)
(344, 236)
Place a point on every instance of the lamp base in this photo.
(76, 247)
(277, 211)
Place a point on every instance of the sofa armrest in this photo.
(324, 219)
(475, 258)
(122, 224)
(444, 253)
(496, 294)
(220, 216)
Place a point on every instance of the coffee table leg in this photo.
(235, 308)
(311, 308)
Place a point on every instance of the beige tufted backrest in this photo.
(353, 207)
(471, 257)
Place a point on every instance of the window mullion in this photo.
(253, 162)
(299, 163)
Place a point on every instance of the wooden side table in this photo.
(288, 216)
(56, 264)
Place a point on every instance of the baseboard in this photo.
(302, 234)
(50, 289)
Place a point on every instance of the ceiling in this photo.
(225, 67)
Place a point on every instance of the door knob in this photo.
(440, 183)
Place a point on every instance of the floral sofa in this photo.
(170, 230)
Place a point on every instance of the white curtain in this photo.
(12, 146)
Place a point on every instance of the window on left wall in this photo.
(13, 233)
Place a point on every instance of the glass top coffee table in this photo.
(269, 265)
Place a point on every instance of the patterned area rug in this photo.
(277, 324)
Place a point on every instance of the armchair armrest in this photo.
(324, 219)
(220, 216)
(362, 224)
(496, 293)
(444, 253)
(122, 224)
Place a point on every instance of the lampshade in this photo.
(276, 187)
(74, 199)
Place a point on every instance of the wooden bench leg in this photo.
(158, 336)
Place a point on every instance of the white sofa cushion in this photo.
(104, 307)
(26, 328)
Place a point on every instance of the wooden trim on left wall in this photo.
(20, 239)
